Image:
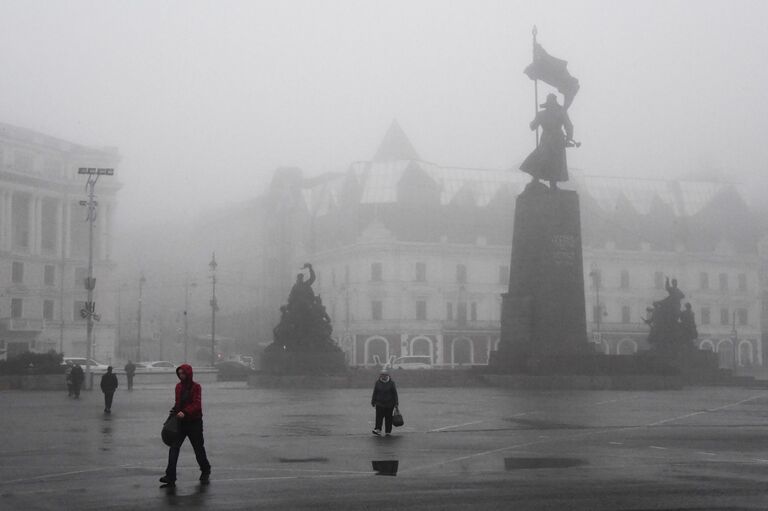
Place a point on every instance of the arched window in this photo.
(376, 351)
(462, 351)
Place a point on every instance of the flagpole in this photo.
(535, 86)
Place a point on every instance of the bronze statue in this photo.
(548, 160)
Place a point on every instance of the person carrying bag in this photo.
(385, 400)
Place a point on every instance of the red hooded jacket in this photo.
(193, 402)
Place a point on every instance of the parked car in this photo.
(95, 365)
(156, 366)
(412, 362)
(232, 370)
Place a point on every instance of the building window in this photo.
(504, 275)
(17, 272)
(80, 275)
(461, 313)
(704, 280)
(596, 279)
(624, 279)
(724, 317)
(743, 282)
(48, 310)
(17, 307)
(421, 310)
(461, 274)
(376, 310)
(473, 311)
(376, 272)
(705, 315)
(723, 282)
(49, 274)
(449, 311)
(658, 280)
(741, 314)
(625, 317)
(421, 272)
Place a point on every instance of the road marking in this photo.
(657, 447)
(616, 443)
(706, 453)
(658, 423)
(453, 426)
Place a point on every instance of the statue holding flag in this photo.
(548, 161)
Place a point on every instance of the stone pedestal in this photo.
(543, 313)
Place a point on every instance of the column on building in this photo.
(59, 227)
(38, 224)
(67, 232)
(7, 221)
(3, 218)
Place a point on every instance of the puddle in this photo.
(531, 463)
(385, 467)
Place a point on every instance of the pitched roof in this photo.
(395, 145)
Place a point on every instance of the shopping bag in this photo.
(397, 418)
(170, 430)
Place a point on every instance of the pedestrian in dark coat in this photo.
(384, 399)
(130, 370)
(78, 376)
(68, 378)
(108, 387)
(188, 409)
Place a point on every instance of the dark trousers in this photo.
(76, 389)
(194, 430)
(384, 414)
(108, 395)
(129, 377)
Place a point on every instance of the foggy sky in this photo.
(205, 99)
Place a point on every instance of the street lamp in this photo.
(142, 280)
(214, 306)
(89, 311)
(597, 316)
(186, 315)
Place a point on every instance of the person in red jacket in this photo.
(189, 411)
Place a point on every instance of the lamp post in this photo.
(214, 307)
(89, 311)
(186, 316)
(734, 337)
(595, 274)
(142, 280)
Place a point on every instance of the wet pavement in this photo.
(480, 448)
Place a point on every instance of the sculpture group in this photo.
(671, 326)
(304, 322)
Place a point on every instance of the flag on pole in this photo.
(553, 71)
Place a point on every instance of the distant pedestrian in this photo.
(130, 370)
(385, 400)
(108, 387)
(188, 409)
(78, 376)
(68, 378)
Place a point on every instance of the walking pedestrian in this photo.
(130, 370)
(384, 399)
(188, 409)
(78, 376)
(108, 387)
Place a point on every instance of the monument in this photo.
(543, 312)
(302, 342)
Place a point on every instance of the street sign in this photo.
(96, 171)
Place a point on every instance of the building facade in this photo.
(412, 257)
(44, 245)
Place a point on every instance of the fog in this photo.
(205, 99)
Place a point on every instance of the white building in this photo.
(44, 245)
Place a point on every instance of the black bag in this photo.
(170, 429)
(397, 418)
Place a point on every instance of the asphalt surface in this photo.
(704, 448)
